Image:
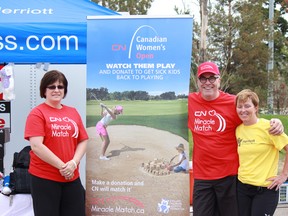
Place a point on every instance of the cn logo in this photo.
(2, 123)
(118, 47)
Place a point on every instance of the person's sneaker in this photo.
(104, 158)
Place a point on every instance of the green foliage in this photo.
(283, 119)
(237, 40)
(103, 94)
(250, 54)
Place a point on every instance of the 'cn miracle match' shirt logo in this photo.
(61, 126)
(204, 120)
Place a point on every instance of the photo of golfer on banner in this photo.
(108, 115)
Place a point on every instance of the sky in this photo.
(166, 7)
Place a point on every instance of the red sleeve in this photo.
(35, 124)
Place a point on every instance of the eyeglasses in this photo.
(211, 79)
(53, 87)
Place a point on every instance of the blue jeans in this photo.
(179, 169)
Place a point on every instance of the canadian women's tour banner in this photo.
(138, 71)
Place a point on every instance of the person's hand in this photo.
(170, 168)
(102, 105)
(69, 177)
(277, 127)
(67, 170)
(277, 181)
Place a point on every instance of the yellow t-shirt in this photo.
(258, 153)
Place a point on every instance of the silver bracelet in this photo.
(74, 163)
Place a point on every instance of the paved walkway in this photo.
(282, 210)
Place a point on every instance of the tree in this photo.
(281, 96)
(237, 40)
(222, 35)
(196, 55)
(204, 27)
(280, 40)
(251, 53)
(168, 96)
(134, 7)
(97, 94)
(195, 58)
(116, 96)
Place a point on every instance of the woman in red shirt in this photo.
(58, 141)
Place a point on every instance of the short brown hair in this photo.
(51, 77)
(245, 94)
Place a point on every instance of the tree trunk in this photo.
(204, 27)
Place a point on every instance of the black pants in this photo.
(52, 198)
(215, 197)
(256, 201)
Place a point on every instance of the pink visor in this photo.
(119, 108)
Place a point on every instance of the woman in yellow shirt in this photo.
(258, 182)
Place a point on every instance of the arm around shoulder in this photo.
(276, 126)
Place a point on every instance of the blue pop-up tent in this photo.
(53, 31)
(43, 31)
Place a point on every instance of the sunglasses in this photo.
(211, 79)
(53, 87)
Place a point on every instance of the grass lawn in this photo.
(284, 120)
(168, 115)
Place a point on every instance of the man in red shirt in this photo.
(212, 119)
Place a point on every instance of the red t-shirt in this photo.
(62, 130)
(213, 125)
